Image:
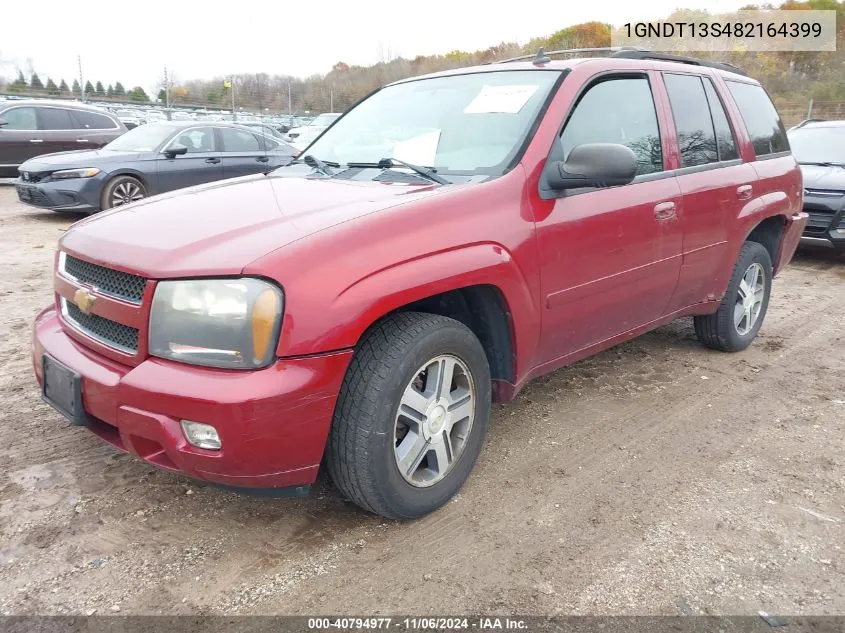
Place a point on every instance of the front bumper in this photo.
(273, 423)
(76, 194)
(826, 224)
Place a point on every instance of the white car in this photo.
(306, 136)
(319, 124)
(130, 118)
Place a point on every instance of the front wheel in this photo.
(411, 416)
(740, 315)
(122, 190)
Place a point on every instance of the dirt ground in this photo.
(656, 478)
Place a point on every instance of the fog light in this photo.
(201, 435)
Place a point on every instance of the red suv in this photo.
(444, 242)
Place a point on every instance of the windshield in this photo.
(141, 139)
(818, 144)
(473, 123)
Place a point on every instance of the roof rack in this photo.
(805, 122)
(632, 53)
(623, 52)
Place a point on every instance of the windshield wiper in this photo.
(316, 163)
(387, 163)
(822, 164)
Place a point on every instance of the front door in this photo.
(20, 139)
(610, 257)
(201, 164)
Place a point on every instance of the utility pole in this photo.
(166, 93)
(234, 115)
(81, 83)
(331, 100)
(290, 106)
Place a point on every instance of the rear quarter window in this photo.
(93, 121)
(764, 126)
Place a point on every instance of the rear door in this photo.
(201, 164)
(714, 181)
(94, 129)
(244, 152)
(58, 129)
(20, 138)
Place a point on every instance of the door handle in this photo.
(82, 140)
(212, 161)
(262, 159)
(664, 210)
(36, 140)
(744, 192)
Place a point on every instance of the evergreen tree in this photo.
(110, 91)
(119, 90)
(101, 92)
(63, 87)
(138, 94)
(76, 89)
(89, 89)
(52, 88)
(162, 95)
(35, 82)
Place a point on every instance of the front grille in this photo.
(33, 196)
(109, 282)
(106, 331)
(818, 222)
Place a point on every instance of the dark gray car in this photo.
(147, 160)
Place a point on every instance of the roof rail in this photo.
(541, 57)
(805, 122)
(631, 53)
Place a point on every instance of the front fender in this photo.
(339, 321)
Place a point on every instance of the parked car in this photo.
(154, 116)
(263, 128)
(130, 118)
(318, 124)
(148, 160)
(306, 136)
(32, 127)
(449, 239)
(819, 147)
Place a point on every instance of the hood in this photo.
(819, 177)
(77, 158)
(219, 228)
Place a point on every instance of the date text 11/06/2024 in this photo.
(419, 624)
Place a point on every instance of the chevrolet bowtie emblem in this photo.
(84, 300)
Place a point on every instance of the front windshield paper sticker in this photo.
(500, 99)
(418, 150)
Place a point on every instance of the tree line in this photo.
(96, 90)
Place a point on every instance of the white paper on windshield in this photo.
(418, 150)
(504, 99)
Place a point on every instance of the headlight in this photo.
(64, 174)
(228, 323)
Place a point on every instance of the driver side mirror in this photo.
(592, 165)
(3, 122)
(177, 149)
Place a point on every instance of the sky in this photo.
(133, 42)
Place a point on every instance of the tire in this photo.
(132, 188)
(722, 330)
(363, 453)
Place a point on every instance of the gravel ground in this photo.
(656, 478)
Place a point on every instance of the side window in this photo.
(197, 140)
(20, 119)
(618, 110)
(267, 142)
(760, 117)
(55, 119)
(696, 136)
(86, 120)
(725, 141)
(239, 140)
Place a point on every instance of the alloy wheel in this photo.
(749, 299)
(126, 192)
(433, 421)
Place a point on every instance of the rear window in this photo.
(764, 126)
(92, 120)
(694, 126)
(55, 119)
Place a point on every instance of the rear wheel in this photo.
(740, 315)
(122, 190)
(411, 416)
